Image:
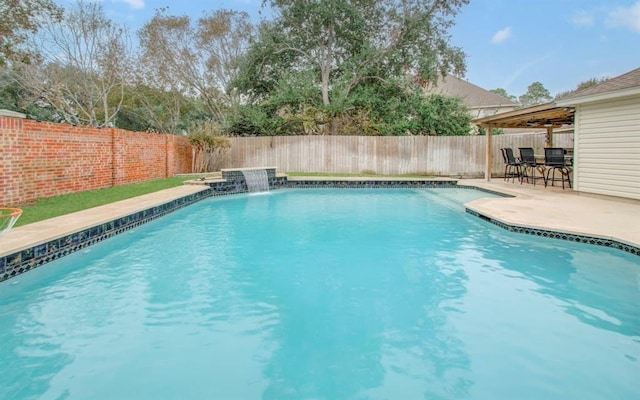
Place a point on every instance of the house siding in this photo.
(608, 147)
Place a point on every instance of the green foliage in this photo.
(149, 109)
(208, 145)
(263, 65)
(319, 67)
(342, 67)
(582, 86)
(355, 122)
(11, 94)
(494, 131)
(442, 115)
(395, 109)
(378, 109)
(248, 120)
(536, 94)
(15, 97)
(502, 92)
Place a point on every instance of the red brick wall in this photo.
(42, 159)
(138, 157)
(179, 155)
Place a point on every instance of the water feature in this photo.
(257, 180)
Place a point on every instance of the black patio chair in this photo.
(554, 161)
(530, 165)
(512, 166)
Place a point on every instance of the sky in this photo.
(509, 43)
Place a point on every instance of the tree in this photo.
(86, 64)
(536, 94)
(322, 53)
(14, 97)
(20, 19)
(150, 109)
(208, 146)
(195, 60)
(582, 86)
(445, 116)
(494, 131)
(347, 43)
(502, 92)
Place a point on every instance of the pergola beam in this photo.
(534, 117)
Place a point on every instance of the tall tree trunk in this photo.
(325, 85)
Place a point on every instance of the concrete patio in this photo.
(554, 209)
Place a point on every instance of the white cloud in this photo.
(582, 18)
(501, 35)
(135, 4)
(625, 17)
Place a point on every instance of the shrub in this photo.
(208, 146)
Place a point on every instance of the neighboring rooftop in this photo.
(625, 81)
(473, 96)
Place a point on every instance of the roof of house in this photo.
(473, 96)
(629, 80)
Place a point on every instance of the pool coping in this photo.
(33, 245)
(134, 212)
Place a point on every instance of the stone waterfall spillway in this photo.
(257, 180)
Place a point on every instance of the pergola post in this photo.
(488, 154)
(548, 138)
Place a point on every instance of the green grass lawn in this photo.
(68, 203)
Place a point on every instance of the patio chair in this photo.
(554, 161)
(530, 165)
(512, 167)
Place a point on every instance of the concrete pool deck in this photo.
(535, 207)
(31, 235)
(558, 210)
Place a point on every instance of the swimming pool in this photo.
(325, 294)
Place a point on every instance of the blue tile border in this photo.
(614, 244)
(369, 184)
(28, 259)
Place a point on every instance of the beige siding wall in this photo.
(608, 148)
(432, 155)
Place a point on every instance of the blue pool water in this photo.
(325, 294)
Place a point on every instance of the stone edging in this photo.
(28, 259)
(559, 235)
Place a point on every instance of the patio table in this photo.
(568, 158)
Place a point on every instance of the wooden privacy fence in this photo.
(456, 156)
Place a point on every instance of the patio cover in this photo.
(546, 115)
